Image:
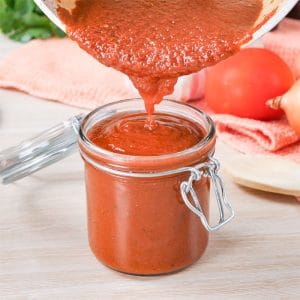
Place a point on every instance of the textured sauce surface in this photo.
(132, 134)
(155, 41)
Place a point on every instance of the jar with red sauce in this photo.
(147, 215)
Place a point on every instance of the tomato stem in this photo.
(275, 103)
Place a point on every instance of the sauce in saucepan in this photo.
(155, 41)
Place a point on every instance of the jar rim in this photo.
(209, 134)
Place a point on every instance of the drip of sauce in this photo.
(156, 41)
(133, 135)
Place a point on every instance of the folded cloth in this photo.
(253, 136)
(57, 69)
(285, 42)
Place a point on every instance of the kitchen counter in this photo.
(44, 252)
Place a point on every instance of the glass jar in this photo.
(143, 211)
(146, 214)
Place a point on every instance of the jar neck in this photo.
(189, 157)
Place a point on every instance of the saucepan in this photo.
(272, 13)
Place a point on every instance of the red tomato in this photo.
(241, 84)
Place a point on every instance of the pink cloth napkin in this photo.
(59, 70)
(285, 41)
(275, 138)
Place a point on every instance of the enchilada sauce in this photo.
(141, 225)
(155, 41)
(132, 135)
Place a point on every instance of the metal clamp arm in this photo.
(209, 169)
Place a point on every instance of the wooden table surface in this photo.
(44, 252)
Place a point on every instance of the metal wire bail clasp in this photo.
(209, 169)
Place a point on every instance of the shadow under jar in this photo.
(148, 214)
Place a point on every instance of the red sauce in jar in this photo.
(132, 135)
(155, 41)
(140, 225)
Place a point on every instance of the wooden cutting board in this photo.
(271, 174)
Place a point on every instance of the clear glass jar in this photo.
(146, 214)
(141, 219)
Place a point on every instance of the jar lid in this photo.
(40, 151)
